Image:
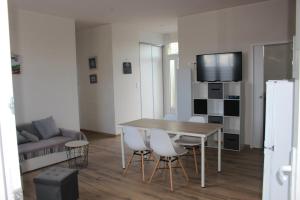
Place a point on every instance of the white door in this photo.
(10, 183)
(146, 81)
(278, 139)
(151, 81)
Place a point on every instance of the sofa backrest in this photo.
(30, 128)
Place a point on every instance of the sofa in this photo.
(42, 144)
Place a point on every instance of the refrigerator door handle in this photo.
(283, 173)
(270, 148)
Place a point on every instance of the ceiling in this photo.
(156, 15)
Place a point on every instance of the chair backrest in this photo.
(171, 117)
(161, 143)
(198, 119)
(134, 139)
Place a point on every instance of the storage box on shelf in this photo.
(220, 102)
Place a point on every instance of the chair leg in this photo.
(128, 164)
(195, 160)
(183, 170)
(143, 166)
(155, 169)
(152, 157)
(171, 177)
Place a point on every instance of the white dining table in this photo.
(201, 130)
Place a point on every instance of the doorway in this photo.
(271, 62)
(151, 81)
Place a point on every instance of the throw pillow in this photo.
(46, 127)
(21, 139)
(29, 136)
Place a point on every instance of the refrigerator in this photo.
(278, 139)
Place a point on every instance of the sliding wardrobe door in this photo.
(151, 81)
(157, 82)
(146, 81)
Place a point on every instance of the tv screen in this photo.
(219, 67)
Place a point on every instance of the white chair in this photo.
(168, 152)
(192, 143)
(136, 141)
(170, 117)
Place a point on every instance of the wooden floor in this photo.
(241, 176)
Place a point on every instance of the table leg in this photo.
(202, 162)
(122, 149)
(219, 150)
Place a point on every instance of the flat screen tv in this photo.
(219, 67)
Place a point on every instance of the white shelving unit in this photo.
(221, 102)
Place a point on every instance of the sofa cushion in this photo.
(21, 139)
(29, 136)
(30, 128)
(46, 127)
(58, 141)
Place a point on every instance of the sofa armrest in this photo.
(76, 135)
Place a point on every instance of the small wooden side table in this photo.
(77, 153)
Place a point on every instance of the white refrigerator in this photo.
(278, 140)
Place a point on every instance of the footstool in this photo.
(57, 183)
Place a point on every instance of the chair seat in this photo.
(188, 141)
(180, 150)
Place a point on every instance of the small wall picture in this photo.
(93, 62)
(15, 64)
(127, 68)
(93, 78)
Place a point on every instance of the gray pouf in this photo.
(57, 184)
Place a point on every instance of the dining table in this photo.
(180, 128)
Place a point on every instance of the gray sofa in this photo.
(44, 152)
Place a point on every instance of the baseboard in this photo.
(96, 132)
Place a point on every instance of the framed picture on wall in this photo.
(93, 79)
(15, 64)
(127, 68)
(93, 62)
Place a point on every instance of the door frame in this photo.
(251, 60)
(10, 180)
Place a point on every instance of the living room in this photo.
(81, 63)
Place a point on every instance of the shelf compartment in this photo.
(232, 90)
(215, 90)
(231, 141)
(212, 141)
(199, 90)
(231, 131)
(231, 107)
(215, 119)
(231, 125)
(215, 107)
(200, 106)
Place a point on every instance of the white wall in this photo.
(116, 98)
(47, 84)
(96, 100)
(170, 37)
(125, 42)
(235, 29)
